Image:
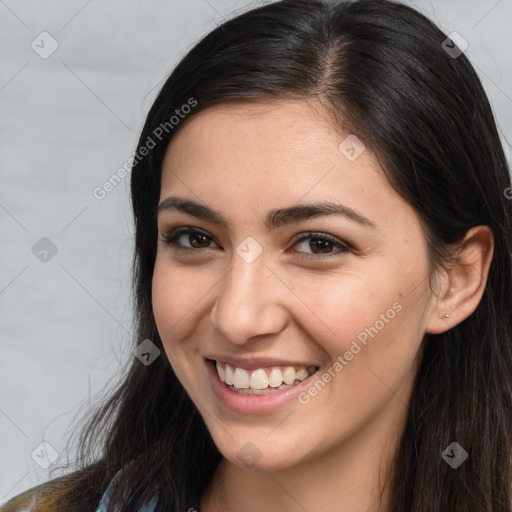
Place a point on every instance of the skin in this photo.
(243, 160)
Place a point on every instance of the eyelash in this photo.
(171, 239)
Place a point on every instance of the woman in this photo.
(323, 279)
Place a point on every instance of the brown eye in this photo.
(323, 246)
(187, 239)
(320, 245)
(198, 240)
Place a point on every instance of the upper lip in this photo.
(253, 363)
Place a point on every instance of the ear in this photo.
(461, 286)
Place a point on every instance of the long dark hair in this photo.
(382, 71)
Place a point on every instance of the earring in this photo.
(447, 315)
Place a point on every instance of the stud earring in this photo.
(447, 315)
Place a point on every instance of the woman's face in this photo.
(294, 255)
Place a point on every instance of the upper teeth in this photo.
(262, 378)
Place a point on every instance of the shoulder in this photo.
(34, 499)
(25, 501)
(103, 505)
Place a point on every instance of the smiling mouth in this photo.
(262, 381)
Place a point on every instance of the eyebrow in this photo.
(274, 219)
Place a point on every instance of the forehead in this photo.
(279, 137)
(274, 154)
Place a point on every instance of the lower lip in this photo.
(253, 404)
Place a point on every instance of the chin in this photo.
(259, 454)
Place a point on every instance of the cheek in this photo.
(374, 357)
(175, 296)
(370, 327)
(341, 308)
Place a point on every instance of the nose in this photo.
(248, 303)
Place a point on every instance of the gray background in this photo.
(67, 123)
